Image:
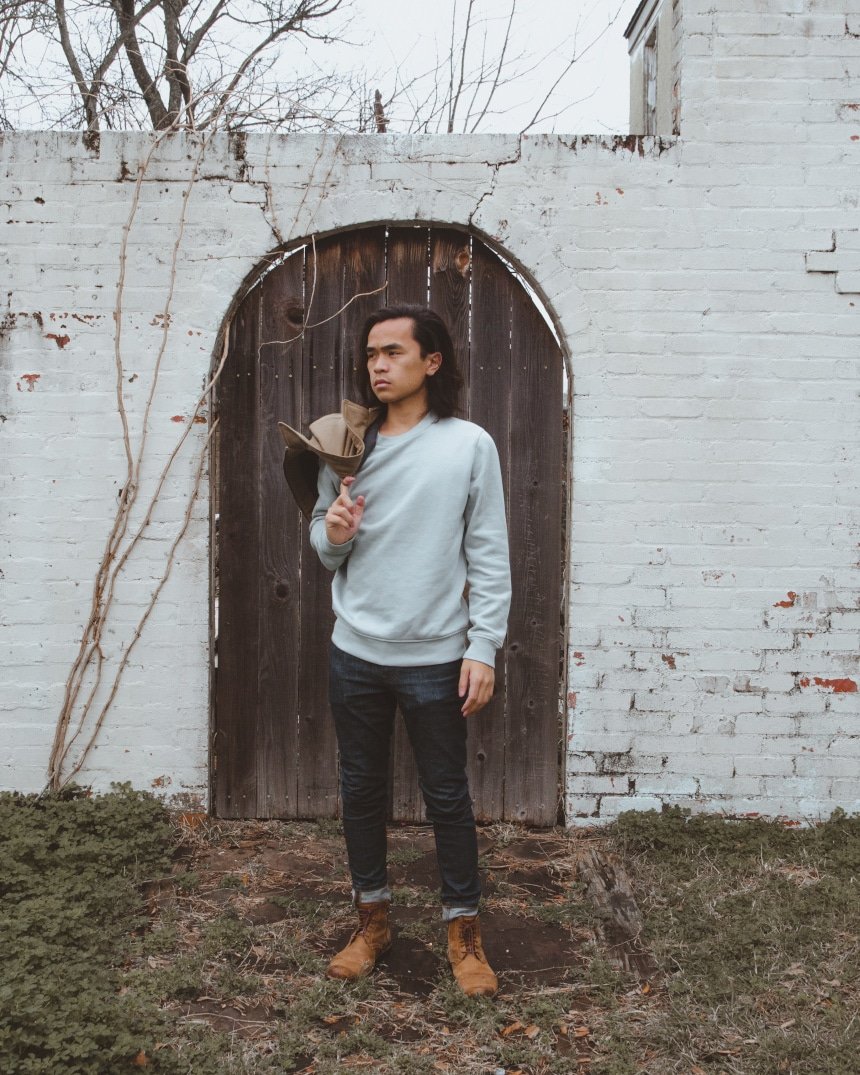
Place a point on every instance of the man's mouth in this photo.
(380, 384)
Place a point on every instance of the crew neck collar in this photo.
(410, 434)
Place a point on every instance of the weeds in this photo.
(755, 929)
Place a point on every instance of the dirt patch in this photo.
(415, 966)
(537, 849)
(255, 910)
(423, 873)
(245, 1022)
(538, 881)
(517, 945)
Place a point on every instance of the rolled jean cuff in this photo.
(450, 912)
(374, 895)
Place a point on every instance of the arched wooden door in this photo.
(273, 745)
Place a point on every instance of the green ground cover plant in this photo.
(70, 910)
(135, 940)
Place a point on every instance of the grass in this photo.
(757, 929)
(124, 950)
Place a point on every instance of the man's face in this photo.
(395, 365)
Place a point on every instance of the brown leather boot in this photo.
(473, 973)
(366, 945)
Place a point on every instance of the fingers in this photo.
(344, 515)
(358, 511)
(479, 679)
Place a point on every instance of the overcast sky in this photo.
(399, 35)
(403, 49)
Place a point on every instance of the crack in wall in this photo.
(496, 166)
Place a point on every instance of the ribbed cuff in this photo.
(481, 649)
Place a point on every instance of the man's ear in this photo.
(434, 361)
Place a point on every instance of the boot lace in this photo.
(469, 936)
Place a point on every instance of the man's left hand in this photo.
(476, 684)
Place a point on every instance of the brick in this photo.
(612, 806)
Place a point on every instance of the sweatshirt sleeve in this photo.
(332, 556)
(488, 570)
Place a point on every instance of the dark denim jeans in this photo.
(364, 698)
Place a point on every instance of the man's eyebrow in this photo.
(384, 347)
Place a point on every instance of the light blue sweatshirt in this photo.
(434, 520)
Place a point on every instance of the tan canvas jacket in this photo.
(336, 439)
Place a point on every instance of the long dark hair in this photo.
(431, 334)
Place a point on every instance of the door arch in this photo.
(291, 358)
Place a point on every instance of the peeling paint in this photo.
(838, 686)
(31, 379)
(792, 597)
(59, 340)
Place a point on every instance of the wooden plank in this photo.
(322, 377)
(234, 741)
(407, 259)
(363, 271)
(450, 283)
(364, 290)
(280, 543)
(490, 407)
(483, 315)
(532, 727)
(407, 266)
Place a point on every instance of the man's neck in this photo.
(402, 416)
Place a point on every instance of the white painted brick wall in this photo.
(714, 605)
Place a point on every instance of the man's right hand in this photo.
(343, 518)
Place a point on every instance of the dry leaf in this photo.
(582, 1032)
(511, 1028)
(696, 1070)
(787, 1024)
(531, 1032)
(646, 988)
(331, 1019)
(141, 1060)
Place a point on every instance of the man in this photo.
(419, 527)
